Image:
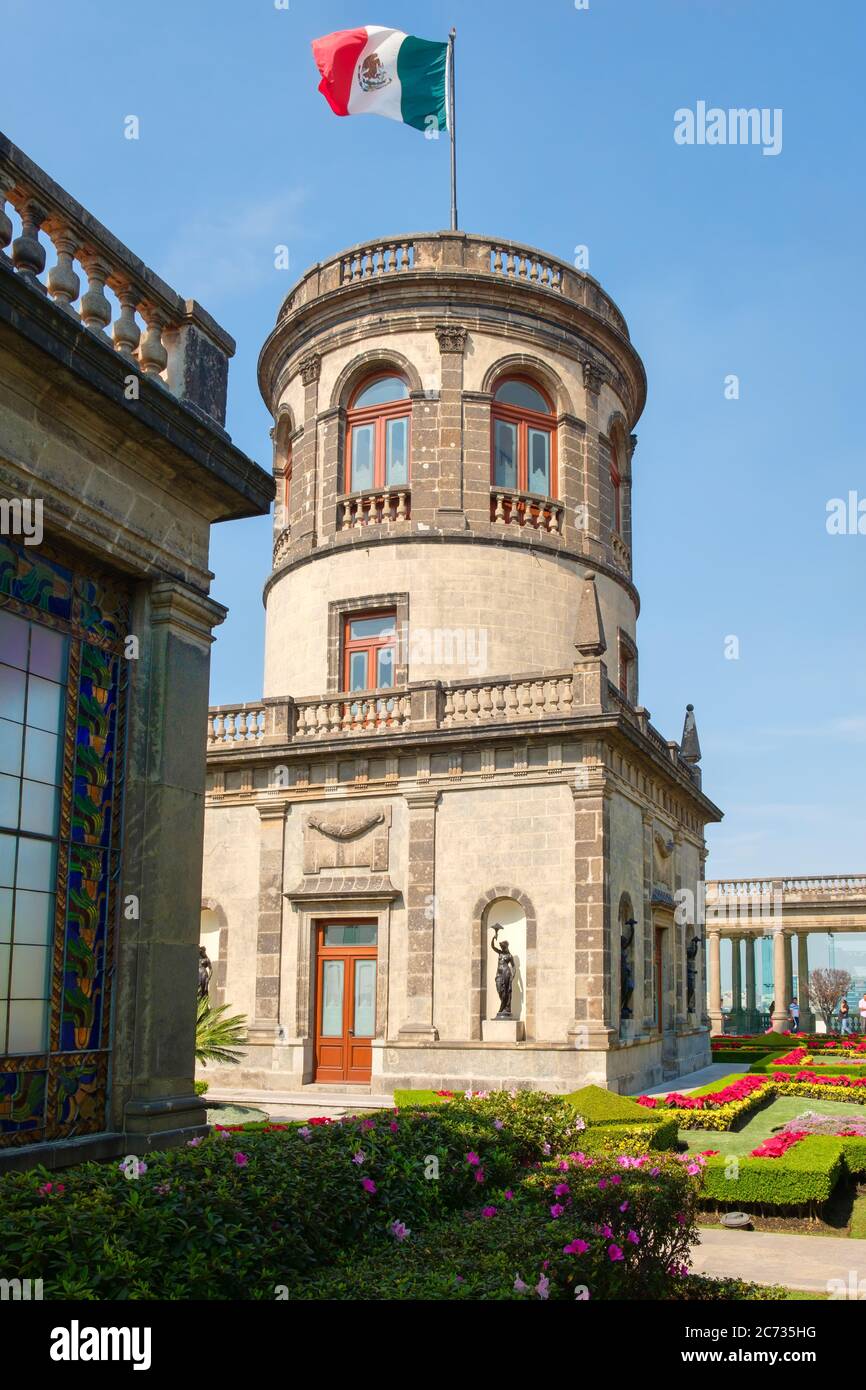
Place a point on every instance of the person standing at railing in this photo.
(862, 1007)
(844, 1017)
(794, 1011)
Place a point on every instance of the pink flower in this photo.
(479, 1175)
(556, 1210)
(606, 1232)
(519, 1286)
(616, 1179)
(542, 1288)
(45, 1189)
(241, 1160)
(575, 1247)
(194, 1143)
(368, 1185)
(602, 1183)
(561, 1189)
(693, 1169)
(472, 1159)
(545, 1149)
(368, 1124)
(498, 1124)
(633, 1237)
(162, 1189)
(509, 1195)
(398, 1230)
(393, 1126)
(359, 1157)
(623, 1206)
(615, 1252)
(489, 1212)
(305, 1132)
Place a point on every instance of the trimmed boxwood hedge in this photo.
(805, 1175)
(821, 1068)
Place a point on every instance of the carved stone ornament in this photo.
(342, 841)
(593, 377)
(310, 368)
(451, 337)
(345, 828)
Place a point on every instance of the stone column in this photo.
(597, 515)
(807, 1017)
(305, 479)
(157, 954)
(736, 975)
(750, 980)
(715, 981)
(269, 927)
(648, 930)
(789, 972)
(592, 1024)
(780, 1015)
(678, 940)
(448, 501)
(421, 917)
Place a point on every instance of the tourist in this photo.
(844, 1017)
(862, 1007)
(794, 1011)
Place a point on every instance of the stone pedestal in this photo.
(502, 1030)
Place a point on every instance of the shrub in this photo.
(807, 1174)
(600, 1107)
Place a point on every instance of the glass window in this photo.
(379, 436)
(363, 446)
(365, 998)
(397, 452)
(539, 461)
(523, 396)
(505, 454)
(382, 392)
(370, 651)
(332, 998)
(358, 934)
(524, 457)
(13, 691)
(14, 638)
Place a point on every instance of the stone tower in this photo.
(451, 737)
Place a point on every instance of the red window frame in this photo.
(371, 645)
(378, 415)
(616, 485)
(525, 420)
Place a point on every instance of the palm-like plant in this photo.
(217, 1037)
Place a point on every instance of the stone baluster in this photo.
(499, 514)
(6, 229)
(497, 261)
(485, 701)
(152, 356)
(460, 706)
(472, 703)
(498, 701)
(448, 712)
(511, 701)
(401, 506)
(126, 332)
(347, 516)
(64, 285)
(28, 253)
(95, 308)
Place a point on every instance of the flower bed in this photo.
(714, 1109)
(465, 1200)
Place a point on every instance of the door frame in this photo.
(350, 954)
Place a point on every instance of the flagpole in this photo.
(451, 122)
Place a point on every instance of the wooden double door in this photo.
(346, 978)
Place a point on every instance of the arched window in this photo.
(524, 438)
(287, 486)
(377, 451)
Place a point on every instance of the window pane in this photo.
(505, 454)
(385, 668)
(363, 445)
(29, 972)
(36, 864)
(358, 671)
(387, 388)
(523, 396)
(365, 998)
(47, 653)
(12, 686)
(383, 625)
(44, 703)
(34, 917)
(360, 934)
(539, 461)
(5, 919)
(40, 808)
(5, 958)
(28, 1025)
(11, 744)
(42, 756)
(332, 998)
(397, 452)
(10, 791)
(7, 860)
(13, 640)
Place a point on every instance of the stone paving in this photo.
(798, 1262)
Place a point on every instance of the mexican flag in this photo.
(383, 72)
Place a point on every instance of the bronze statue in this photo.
(205, 970)
(691, 972)
(626, 982)
(504, 975)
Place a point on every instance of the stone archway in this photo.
(481, 945)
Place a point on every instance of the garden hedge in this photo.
(805, 1175)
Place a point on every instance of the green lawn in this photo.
(761, 1124)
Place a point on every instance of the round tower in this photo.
(452, 446)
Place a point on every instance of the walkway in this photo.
(694, 1079)
(798, 1262)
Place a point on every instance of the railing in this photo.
(620, 551)
(380, 711)
(375, 508)
(454, 253)
(382, 258)
(168, 338)
(230, 725)
(518, 264)
(823, 885)
(499, 701)
(508, 508)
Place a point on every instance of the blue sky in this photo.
(723, 260)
